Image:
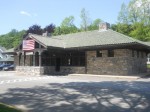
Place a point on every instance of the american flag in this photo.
(28, 45)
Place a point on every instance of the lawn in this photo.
(8, 108)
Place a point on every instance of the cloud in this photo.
(25, 13)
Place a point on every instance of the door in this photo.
(57, 68)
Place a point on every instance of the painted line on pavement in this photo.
(24, 80)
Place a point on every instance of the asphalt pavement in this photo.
(75, 93)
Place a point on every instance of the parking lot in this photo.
(74, 93)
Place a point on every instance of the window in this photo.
(82, 61)
(110, 53)
(98, 53)
(75, 60)
(66, 58)
(37, 45)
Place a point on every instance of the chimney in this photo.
(104, 26)
(46, 34)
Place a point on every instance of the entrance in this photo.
(57, 68)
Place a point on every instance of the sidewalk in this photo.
(87, 76)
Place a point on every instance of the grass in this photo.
(8, 108)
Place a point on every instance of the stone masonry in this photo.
(48, 70)
(121, 64)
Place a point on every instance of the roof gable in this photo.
(86, 39)
(30, 37)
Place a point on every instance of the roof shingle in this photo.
(87, 39)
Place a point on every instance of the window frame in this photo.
(99, 53)
(110, 53)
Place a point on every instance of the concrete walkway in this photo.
(134, 77)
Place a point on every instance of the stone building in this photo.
(102, 51)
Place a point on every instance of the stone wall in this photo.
(49, 70)
(30, 70)
(137, 64)
(72, 69)
(64, 70)
(121, 64)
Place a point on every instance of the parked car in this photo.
(10, 67)
(3, 66)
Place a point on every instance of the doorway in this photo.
(57, 68)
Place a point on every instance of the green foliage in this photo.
(57, 31)
(85, 20)
(11, 39)
(68, 22)
(140, 31)
(67, 26)
(122, 28)
(134, 20)
(95, 24)
(135, 11)
(67, 30)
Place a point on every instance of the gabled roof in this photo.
(9, 50)
(7, 59)
(2, 49)
(87, 39)
(48, 41)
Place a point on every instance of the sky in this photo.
(21, 14)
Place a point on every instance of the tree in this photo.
(35, 29)
(67, 26)
(144, 10)
(11, 39)
(134, 20)
(133, 12)
(122, 28)
(13, 32)
(18, 38)
(123, 14)
(95, 24)
(68, 22)
(85, 23)
(57, 31)
(140, 31)
(50, 28)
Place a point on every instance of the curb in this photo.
(107, 76)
